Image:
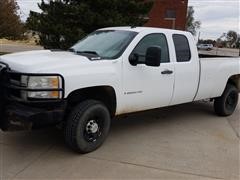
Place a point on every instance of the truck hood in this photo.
(44, 61)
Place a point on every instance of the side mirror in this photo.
(153, 56)
(133, 59)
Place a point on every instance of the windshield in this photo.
(105, 44)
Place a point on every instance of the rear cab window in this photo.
(182, 48)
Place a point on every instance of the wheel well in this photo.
(235, 80)
(105, 94)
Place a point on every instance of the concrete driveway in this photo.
(181, 142)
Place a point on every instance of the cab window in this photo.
(182, 48)
(149, 41)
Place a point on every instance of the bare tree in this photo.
(192, 25)
(10, 23)
(229, 39)
(232, 38)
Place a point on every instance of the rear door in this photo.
(187, 67)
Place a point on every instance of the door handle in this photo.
(167, 72)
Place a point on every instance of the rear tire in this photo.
(227, 103)
(87, 126)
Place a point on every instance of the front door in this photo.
(146, 87)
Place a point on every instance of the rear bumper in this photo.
(17, 116)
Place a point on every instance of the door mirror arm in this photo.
(133, 59)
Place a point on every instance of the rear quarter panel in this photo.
(215, 73)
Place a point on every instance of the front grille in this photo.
(2, 79)
(1, 70)
(9, 79)
(2, 95)
(15, 79)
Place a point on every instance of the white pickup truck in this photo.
(112, 71)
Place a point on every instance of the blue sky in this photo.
(217, 16)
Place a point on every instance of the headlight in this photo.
(42, 87)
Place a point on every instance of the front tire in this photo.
(227, 103)
(87, 126)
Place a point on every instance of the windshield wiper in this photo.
(71, 50)
(88, 52)
(92, 55)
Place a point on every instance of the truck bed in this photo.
(214, 74)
